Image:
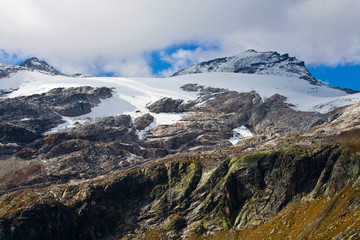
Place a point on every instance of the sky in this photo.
(159, 37)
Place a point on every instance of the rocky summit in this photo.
(252, 62)
(36, 64)
(250, 147)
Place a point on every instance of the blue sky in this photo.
(158, 37)
(158, 64)
(347, 76)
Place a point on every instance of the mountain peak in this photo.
(253, 62)
(34, 63)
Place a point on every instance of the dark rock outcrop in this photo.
(15, 134)
(167, 105)
(143, 121)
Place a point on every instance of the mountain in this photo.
(33, 64)
(253, 62)
(36, 64)
(218, 154)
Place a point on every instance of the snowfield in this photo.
(131, 95)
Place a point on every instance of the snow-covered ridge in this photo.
(34, 64)
(253, 62)
(8, 68)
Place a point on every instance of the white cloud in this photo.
(75, 34)
(183, 58)
(131, 67)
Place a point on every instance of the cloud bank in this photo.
(118, 37)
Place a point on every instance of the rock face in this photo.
(167, 105)
(144, 121)
(15, 134)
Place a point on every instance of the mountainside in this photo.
(218, 154)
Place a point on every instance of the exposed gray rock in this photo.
(15, 134)
(93, 148)
(195, 130)
(167, 105)
(73, 110)
(192, 87)
(143, 121)
(272, 116)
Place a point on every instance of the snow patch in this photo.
(167, 118)
(9, 144)
(34, 62)
(239, 133)
(25, 119)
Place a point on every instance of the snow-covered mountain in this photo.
(272, 73)
(260, 63)
(253, 62)
(36, 64)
